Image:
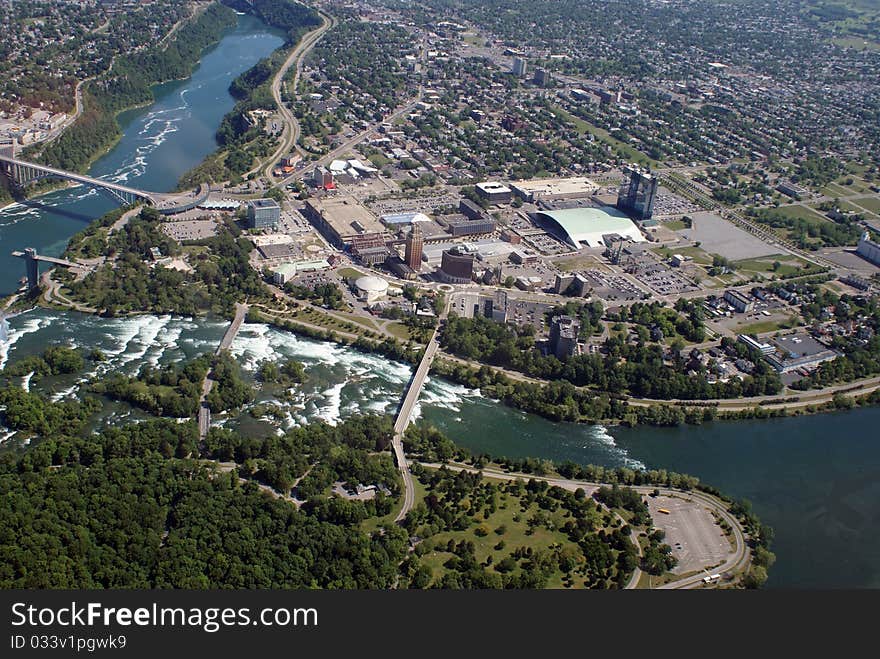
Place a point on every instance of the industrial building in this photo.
(341, 219)
(577, 226)
(798, 351)
(637, 193)
(456, 267)
(494, 192)
(742, 303)
(263, 214)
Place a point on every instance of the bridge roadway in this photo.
(50, 259)
(225, 343)
(150, 197)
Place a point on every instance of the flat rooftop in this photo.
(556, 187)
(345, 213)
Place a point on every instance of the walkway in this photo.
(225, 343)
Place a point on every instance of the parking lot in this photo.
(696, 540)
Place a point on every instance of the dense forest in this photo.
(127, 508)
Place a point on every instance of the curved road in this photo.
(738, 559)
(291, 130)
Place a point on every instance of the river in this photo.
(814, 479)
(160, 143)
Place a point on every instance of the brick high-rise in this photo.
(414, 243)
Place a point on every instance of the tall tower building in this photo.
(414, 243)
(637, 193)
(519, 67)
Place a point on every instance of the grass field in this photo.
(801, 213)
(788, 265)
(698, 254)
(675, 225)
(763, 326)
(856, 43)
(870, 203)
(350, 272)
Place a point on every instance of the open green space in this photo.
(780, 265)
(870, 203)
(770, 325)
(798, 212)
(698, 254)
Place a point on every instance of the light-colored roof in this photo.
(588, 225)
(371, 284)
(405, 218)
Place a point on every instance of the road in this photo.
(736, 561)
(350, 144)
(290, 132)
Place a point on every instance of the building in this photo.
(456, 267)
(763, 348)
(519, 67)
(742, 303)
(495, 192)
(471, 227)
(869, 249)
(415, 241)
(370, 248)
(792, 190)
(798, 351)
(341, 219)
(524, 257)
(322, 177)
(564, 332)
(542, 77)
(369, 289)
(287, 271)
(399, 219)
(263, 213)
(471, 210)
(637, 193)
(574, 187)
(577, 226)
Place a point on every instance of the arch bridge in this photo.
(22, 173)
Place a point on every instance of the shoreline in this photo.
(756, 412)
(116, 114)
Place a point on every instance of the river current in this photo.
(816, 480)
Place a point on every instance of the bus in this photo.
(664, 511)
